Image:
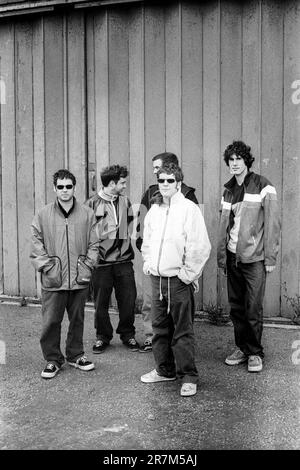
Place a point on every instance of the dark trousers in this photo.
(119, 276)
(54, 305)
(173, 342)
(246, 289)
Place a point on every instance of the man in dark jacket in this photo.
(114, 270)
(247, 249)
(147, 199)
(64, 250)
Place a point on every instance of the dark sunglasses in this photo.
(168, 180)
(62, 186)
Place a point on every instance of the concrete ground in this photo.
(110, 408)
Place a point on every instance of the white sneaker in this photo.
(153, 376)
(188, 389)
(237, 357)
(255, 364)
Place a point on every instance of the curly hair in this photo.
(169, 169)
(242, 150)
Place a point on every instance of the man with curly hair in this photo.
(248, 244)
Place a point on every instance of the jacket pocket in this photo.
(84, 272)
(52, 278)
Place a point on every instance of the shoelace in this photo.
(99, 342)
(132, 341)
(51, 366)
(82, 359)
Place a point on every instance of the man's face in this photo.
(157, 164)
(119, 187)
(237, 165)
(64, 190)
(167, 185)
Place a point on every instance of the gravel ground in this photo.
(110, 408)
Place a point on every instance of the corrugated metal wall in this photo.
(89, 88)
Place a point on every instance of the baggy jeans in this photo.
(119, 276)
(146, 307)
(173, 343)
(246, 289)
(54, 304)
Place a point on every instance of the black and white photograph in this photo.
(149, 229)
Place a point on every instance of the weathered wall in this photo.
(88, 88)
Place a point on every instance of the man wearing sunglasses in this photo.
(64, 251)
(146, 201)
(175, 249)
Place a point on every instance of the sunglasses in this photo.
(62, 186)
(168, 180)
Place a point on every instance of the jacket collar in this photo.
(229, 185)
(107, 197)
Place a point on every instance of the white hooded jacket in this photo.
(175, 240)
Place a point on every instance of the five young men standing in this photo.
(74, 243)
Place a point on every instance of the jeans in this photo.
(119, 276)
(54, 304)
(246, 288)
(173, 343)
(146, 307)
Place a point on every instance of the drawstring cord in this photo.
(169, 296)
(160, 291)
(161, 294)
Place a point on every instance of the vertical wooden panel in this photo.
(251, 93)
(291, 162)
(91, 104)
(118, 87)
(211, 141)
(8, 151)
(272, 122)
(136, 121)
(192, 98)
(76, 103)
(155, 93)
(101, 92)
(173, 79)
(231, 90)
(54, 100)
(24, 151)
(38, 122)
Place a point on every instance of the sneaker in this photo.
(132, 344)
(82, 363)
(50, 371)
(255, 364)
(188, 389)
(147, 346)
(153, 376)
(237, 357)
(99, 346)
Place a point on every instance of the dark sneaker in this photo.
(99, 346)
(83, 364)
(132, 344)
(237, 357)
(50, 371)
(255, 364)
(147, 346)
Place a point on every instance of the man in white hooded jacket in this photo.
(175, 249)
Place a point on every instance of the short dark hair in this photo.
(166, 157)
(242, 150)
(63, 174)
(113, 173)
(171, 169)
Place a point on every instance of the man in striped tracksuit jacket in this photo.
(248, 244)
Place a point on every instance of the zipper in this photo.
(67, 235)
(162, 239)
